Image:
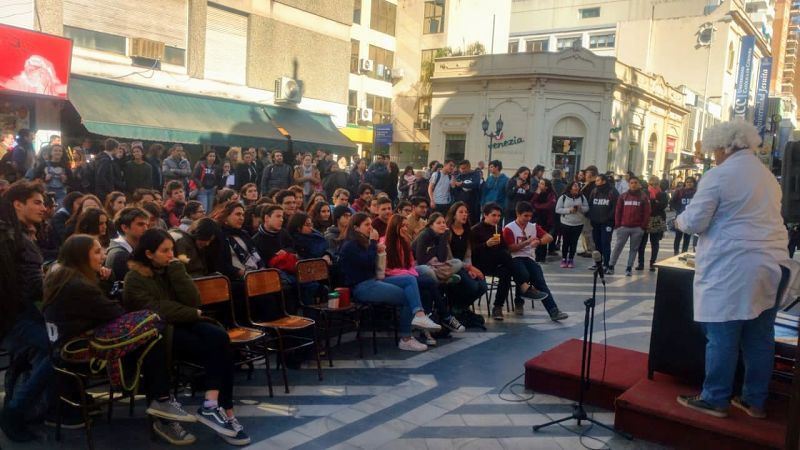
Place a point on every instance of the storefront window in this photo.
(455, 146)
(412, 154)
(352, 107)
(566, 153)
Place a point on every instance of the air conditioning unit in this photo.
(366, 115)
(387, 74)
(380, 70)
(146, 48)
(288, 90)
(367, 65)
(425, 125)
(398, 73)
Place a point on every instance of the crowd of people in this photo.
(127, 230)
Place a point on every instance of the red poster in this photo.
(34, 63)
(671, 144)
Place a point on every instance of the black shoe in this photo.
(497, 313)
(652, 268)
(14, 429)
(628, 272)
(640, 267)
(610, 270)
(698, 404)
(557, 315)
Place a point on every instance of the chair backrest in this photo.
(262, 282)
(309, 270)
(213, 289)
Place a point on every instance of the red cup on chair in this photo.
(344, 297)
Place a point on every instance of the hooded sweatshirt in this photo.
(119, 252)
(602, 204)
(681, 199)
(633, 210)
(564, 209)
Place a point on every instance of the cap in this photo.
(339, 211)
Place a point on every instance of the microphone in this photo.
(598, 262)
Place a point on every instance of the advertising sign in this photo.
(762, 95)
(383, 134)
(34, 63)
(670, 144)
(743, 75)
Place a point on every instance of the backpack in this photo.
(119, 337)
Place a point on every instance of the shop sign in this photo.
(670, 144)
(743, 76)
(502, 141)
(762, 94)
(34, 63)
(383, 134)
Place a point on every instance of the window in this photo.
(563, 43)
(105, 42)
(383, 16)
(357, 11)
(588, 13)
(355, 61)
(539, 45)
(175, 55)
(381, 108)
(513, 47)
(423, 121)
(226, 46)
(352, 107)
(433, 21)
(428, 56)
(383, 61)
(731, 56)
(602, 41)
(455, 146)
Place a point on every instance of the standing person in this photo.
(227, 179)
(26, 336)
(306, 175)
(572, 207)
(206, 178)
(741, 269)
(154, 154)
(176, 167)
(277, 175)
(324, 162)
(23, 155)
(522, 236)
(657, 224)
(105, 176)
(602, 208)
(359, 254)
(336, 179)
(408, 183)
(494, 188)
(394, 176)
(245, 171)
(517, 190)
(588, 177)
(55, 172)
(680, 200)
(358, 175)
(468, 189)
(544, 204)
(631, 217)
(559, 183)
(137, 172)
(440, 186)
(7, 143)
(378, 174)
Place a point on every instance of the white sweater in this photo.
(564, 208)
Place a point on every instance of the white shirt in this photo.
(737, 213)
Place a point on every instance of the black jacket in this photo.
(429, 245)
(602, 204)
(276, 176)
(245, 173)
(268, 243)
(106, 176)
(485, 257)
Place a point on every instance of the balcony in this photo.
(787, 89)
(756, 5)
(790, 58)
(791, 41)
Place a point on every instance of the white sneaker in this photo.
(425, 323)
(429, 340)
(411, 345)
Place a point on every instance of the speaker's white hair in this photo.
(732, 136)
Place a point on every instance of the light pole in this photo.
(774, 121)
(494, 134)
(705, 37)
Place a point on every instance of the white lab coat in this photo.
(737, 213)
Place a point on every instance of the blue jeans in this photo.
(468, 290)
(526, 270)
(206, 197)
(430, 295)
(602, 240)
(28, 339)
(399, 290)
(756, 339)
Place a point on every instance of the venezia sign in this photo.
(503, 142)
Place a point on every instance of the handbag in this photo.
(443, 270)
(380, 266)
(657, 225)
(285, 261)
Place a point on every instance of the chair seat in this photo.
(288, 322)
(241, 335)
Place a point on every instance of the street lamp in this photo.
(774, 121)
(705, 37)
(494, 134)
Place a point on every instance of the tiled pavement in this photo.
(446, 398)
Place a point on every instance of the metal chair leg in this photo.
(316, 353)
(266, 363)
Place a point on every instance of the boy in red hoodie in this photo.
(631, 218)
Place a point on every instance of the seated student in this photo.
(140, 196)
(321, 216)
(158, 281)
(226, 195)
(382, 215)
(335, 233)
(74, 303)
(194, 210)
(361, 203)
(238, 253)
(155, 212)
(431, 248)
(404, 208)
(176, 201)
(522, 236)
(318, 197)
(86, 202)
(59, 221)
(341, 196)
(359, 254)
(288, 202)
(473, 283)
(416, 220)
(131, 223)
(308, 242)
(248, 194)
(490, 254)
(94, 222)
(400, 261)
(196, 246)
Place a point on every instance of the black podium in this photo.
(677, 342)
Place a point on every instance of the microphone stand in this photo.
(578, 410)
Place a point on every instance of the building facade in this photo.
(564, 110)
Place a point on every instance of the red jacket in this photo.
(633, 210)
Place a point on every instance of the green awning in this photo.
(133, 112)
(311, 131)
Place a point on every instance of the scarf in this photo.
(243, 254)
(654, 190)
(410, 180)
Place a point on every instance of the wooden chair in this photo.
(317, 270)
(264, 285)
(250, 343)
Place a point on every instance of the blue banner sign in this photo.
(383, 134)
(762, 95)
(743, 75)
